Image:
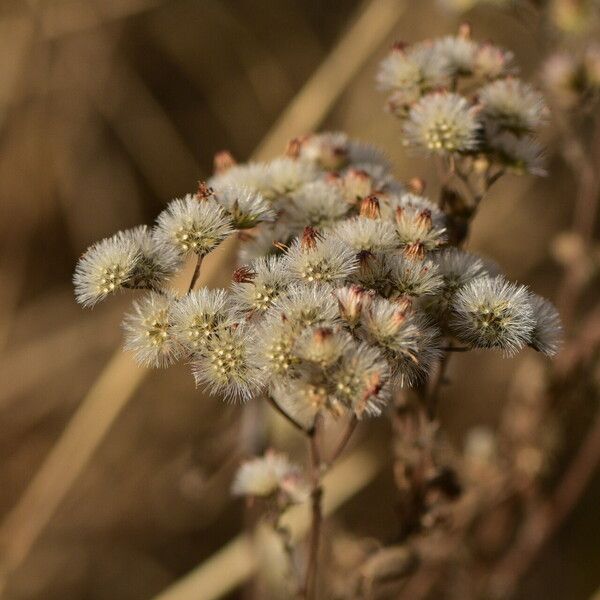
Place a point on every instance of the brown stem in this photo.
(196, 273)
(310, 583)
(288, 417)
(343, 441)
(548, 518)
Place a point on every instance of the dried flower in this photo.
(268, 475)
(519, 154)
(317, 204)
(441, 123)
(360, 380)
(305, 305)
(155, 263)
(408, 71)
(224, 367)
(547, 332)
(287, 175)
(246, 208)
(324, 260)
(200, 315)
(458, 54)
(352, 300)
(492, 62)
(512, 105)
(322, 346)
(366, 235)
(192, 226)
(269, 279)
(149, 331)
(493, 313)
(105, 268)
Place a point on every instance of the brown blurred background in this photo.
(108, 109)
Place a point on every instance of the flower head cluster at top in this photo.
(456, 97)
(346, 290)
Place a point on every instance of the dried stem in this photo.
(310, 583)
(288, 417)
(196, 273)
(344, 440)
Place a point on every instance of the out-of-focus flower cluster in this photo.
(462, 99)
(345, 293)
(573, 79)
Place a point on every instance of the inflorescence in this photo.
(459, 98)
(348, 289)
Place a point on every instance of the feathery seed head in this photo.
(414, 277)
(245, 207)
(359, 381)
(366, 235)
(547, 331)
(519, 154)
(304, 399)
(458, 53)
(200, 315)
(288, 174)
(149, 331)
(318, 204)
(416, 233)
(155, 262)
(322, 346)
(492, 62)
(105, 268)
(411, 71)
(458, 268)
(223, 365)
(192, 226)
(512, 105)
(253, 176)
(315, 259)
(442, 123)
(305, 305)
(357, 184)
(351, 301)
(267, 278)
(268, 475)
(493, 313)
(274, 350)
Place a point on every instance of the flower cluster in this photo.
(461, 99)
(348, 290)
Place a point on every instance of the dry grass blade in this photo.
(121, 378)
(236, 562)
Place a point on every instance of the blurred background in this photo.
(110, 108)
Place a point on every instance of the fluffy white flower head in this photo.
(317, 259)
(493, 313)
(224, 366)
(442, 123)
(149, 331)
(200, 315)
(512, 105)
(193, 226)
(105, 268)
(547, 332)
(245, 207)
